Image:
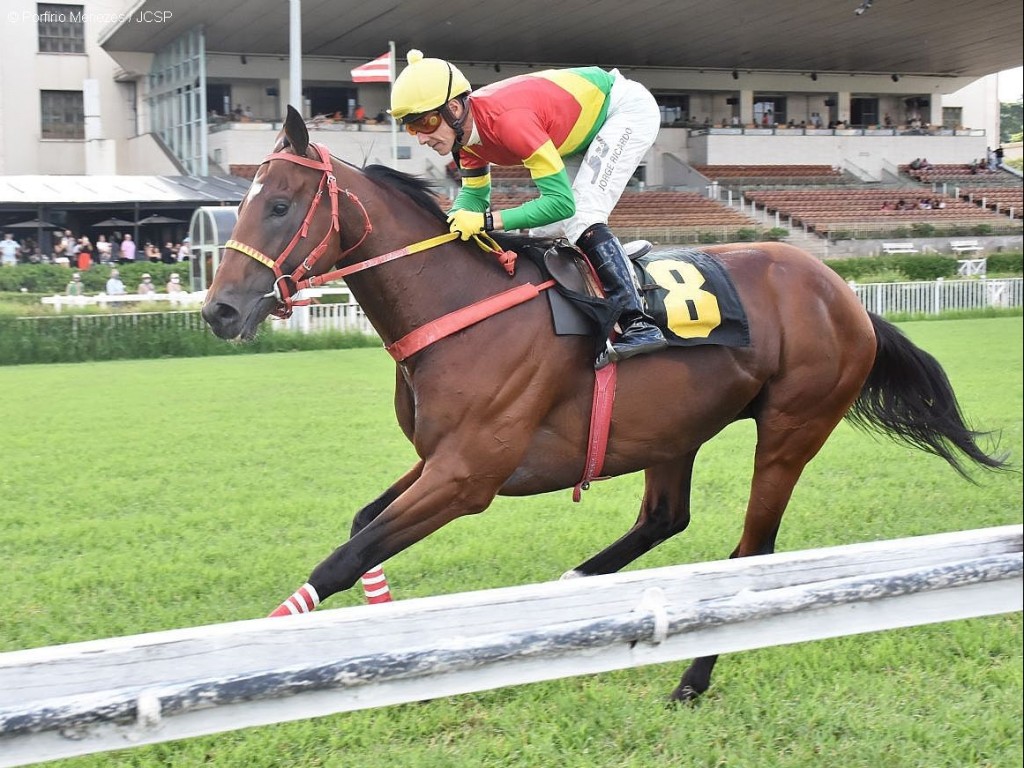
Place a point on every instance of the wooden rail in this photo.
(109, 694)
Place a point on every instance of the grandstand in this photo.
(877, 209)
(958, 173)
(772, 175)
(1004, 199)
(939, 200)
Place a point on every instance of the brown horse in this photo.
(502, 406)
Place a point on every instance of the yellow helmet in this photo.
(424, 85)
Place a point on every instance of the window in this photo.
(769, 111)
(864, 112)
(62, 114)
(675, 108)
(61, 28)
(953, 118)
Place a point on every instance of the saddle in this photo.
(687, 292)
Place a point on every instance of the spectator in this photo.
(381, 117)
(174, 284)
(127, 250)
(30, 252)
(146, 286)
(887, 120)
(152, 253)
(998, 154)
(69, 245)
(85, 253)
(114, 285)
(75, 287)
(168, 254)
(185, 250)
(103, 249)
(360, 114)
(9, 250)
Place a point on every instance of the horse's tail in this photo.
(908, 396)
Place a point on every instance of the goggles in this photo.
(426, 122)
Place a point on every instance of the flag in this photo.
(376, 71)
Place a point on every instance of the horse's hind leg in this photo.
(779, 459)
(665, 511)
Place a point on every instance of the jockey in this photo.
(535, 120)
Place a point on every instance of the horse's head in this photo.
(288, 227)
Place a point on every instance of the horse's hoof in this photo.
(684, 694)
(573, 574)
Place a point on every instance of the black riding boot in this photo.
(639, 334)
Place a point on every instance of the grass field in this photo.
(146, 495)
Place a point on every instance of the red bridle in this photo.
(286, 286)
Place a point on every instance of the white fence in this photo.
(925, 298)
(314, 318)
(109, 694)
(939, 296)
(105, 301)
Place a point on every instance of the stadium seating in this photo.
(999, 199)
(818, 209)
(953, 174)
(772, 175)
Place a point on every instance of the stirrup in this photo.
(636, 249)
(607, 356)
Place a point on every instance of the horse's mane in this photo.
(415, 187)
(421, 193)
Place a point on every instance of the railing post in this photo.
(937, 296)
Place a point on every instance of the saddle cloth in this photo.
(692, 298)
(688, 293)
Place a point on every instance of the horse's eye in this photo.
(279, 209)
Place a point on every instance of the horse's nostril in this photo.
(223, 319)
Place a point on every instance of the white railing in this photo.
(932, 298)
(912, 298)
(105, 301)
(101, 695)
(926, 298)
(317, 318)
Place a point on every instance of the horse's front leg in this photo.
(307, 597)
(439, 491)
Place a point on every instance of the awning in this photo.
(376, 71)
(115, 191)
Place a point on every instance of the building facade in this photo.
(69, 105)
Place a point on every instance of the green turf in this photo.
(146, 495)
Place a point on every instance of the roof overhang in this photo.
(926, 37)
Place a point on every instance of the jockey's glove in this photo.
(469, 223)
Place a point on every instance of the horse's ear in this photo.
(295, 131)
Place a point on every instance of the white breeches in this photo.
(601, 174)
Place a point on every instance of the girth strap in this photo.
(600, 425)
